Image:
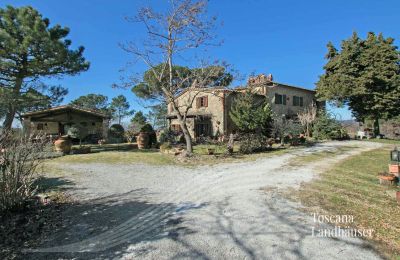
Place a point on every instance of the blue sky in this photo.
(285, 38)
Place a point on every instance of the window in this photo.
(202, 102)
(176, 128)
(297, 101)
(39, 126)
(280, 99)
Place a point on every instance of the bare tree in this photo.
(307, 118)
(170, 35)
(20, 157)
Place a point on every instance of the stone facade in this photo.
(56, 121)
(209, 112)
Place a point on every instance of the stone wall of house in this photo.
(289, 109)
(214, 109)
(220, 103)
(51, 128)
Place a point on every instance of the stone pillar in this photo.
(106, 123)
(27, 126)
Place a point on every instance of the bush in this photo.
(250, 143)
(78, 132)
(326, 127)
(167, 136)
(116, 133)
(19, 159)
(147, 128)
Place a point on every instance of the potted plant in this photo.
(63, 144)
(79, 132)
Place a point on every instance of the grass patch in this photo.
(352, 188)
(152, 157)
(384, 141)
(317, 156)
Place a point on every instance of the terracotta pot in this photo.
(394, 169)
(210, 151)
(143, 140)
(63, 144)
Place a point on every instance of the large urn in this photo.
(63, 144)
(143, 140)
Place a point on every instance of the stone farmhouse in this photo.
(209, 113)
(56, 121)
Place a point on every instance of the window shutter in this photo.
(206, 101)
(284, 99)
(301, 101)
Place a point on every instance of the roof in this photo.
(275, 84)
(66, 108)
(242, 88)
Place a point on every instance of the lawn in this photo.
(352, 188)
(151, 157)
(129, 154)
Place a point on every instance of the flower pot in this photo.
(394, 169)
(388, 180)
(210, 151)
(63, 144)
(143, 140)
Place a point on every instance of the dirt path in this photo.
(228, 211)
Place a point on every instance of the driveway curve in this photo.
(226, 211)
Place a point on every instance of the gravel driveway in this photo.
(227, 211)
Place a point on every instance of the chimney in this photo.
(259, 79)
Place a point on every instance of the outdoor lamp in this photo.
(395, 155)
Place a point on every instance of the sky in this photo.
(286, 38)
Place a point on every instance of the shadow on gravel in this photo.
(106, 227)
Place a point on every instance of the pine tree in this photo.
(92, 102)
(251, 113)
(120, 108)
(365, 75)
(31, 49)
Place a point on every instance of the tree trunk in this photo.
(376, 127)
(9, 117)
(12, 110)
(188, 138)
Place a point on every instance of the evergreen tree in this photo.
(31, 49)
(138, 121)
(365, 75)
(120, 108)
(92, 102)
(251, 113)
(157, 116)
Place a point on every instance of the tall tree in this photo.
(138, 121)
(157, 116)
(170, 35)
(251, 113)
(31, 49)
(120, 108)
(93, 102)
(365, 75)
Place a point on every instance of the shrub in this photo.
(147, 128)
(250, 143)
(286, 129)
(326, 127)
(19, 159)
(116, 133)
(167, 136)
(251, 113)
(78, 132)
